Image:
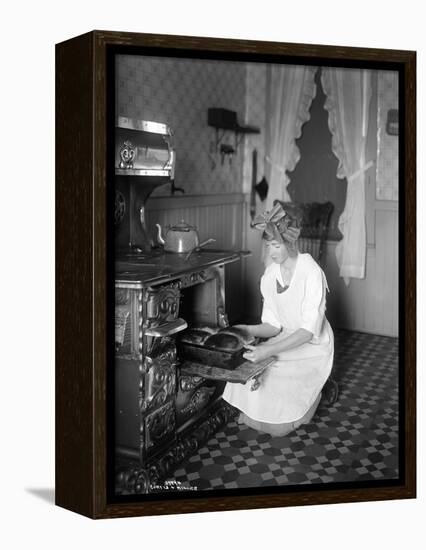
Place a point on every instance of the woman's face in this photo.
(276, 251)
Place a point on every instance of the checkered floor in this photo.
(355, 439)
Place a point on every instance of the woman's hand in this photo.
(264, 330)
(257, 353)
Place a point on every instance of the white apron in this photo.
(292, 384)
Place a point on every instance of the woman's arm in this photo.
(264, 330)
(258, 353)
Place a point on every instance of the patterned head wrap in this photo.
(282, 225)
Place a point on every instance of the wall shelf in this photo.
(225, 120)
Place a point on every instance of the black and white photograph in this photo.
(212, 237)
(257, 274)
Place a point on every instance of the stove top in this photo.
(146, 268)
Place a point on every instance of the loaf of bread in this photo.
(241, 334)
(195, 336)
(223, 342)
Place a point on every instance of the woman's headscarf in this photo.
(282, 225)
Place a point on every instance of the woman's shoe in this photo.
(330, 392)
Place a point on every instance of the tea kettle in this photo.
(180, 238)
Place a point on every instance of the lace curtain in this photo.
(348, 94)
(290, 91)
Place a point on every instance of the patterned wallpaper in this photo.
(387, 146)
(178, 92)
(255, 114)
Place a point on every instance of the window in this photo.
(314, 178)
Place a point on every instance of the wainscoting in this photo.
(216, 216)
(368, 305)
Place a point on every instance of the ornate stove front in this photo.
(157, 408)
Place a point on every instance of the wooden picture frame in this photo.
(83, 112)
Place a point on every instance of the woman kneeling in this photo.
(298, 334)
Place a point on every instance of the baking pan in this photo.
(211, 356)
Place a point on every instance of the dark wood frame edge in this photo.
(81, 431)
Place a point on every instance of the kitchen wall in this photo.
(178, 92)
(256, 113)
(387, 150)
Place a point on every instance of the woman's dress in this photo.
(290, 388)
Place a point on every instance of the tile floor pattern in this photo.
(355, 439)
